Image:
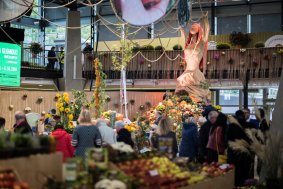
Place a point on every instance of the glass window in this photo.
(230, 109)
(272, 93)
(229, 24)
(35, 11)
(229, 97)
(256, 97)
(266, 23)
(31, 34)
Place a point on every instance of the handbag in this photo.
(222, 159)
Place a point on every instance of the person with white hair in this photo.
(189, 143)
(123, 135)
(108, 134)
(21, 126)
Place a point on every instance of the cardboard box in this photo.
(35, 168)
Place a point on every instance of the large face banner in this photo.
(142, 12)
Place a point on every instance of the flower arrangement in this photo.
(80, 100)
(280, 51)
(99, 95)
(65, 111)
(160, 107)
(106, 115)
(131, 127)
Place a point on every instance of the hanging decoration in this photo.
(99, 91)
(216, 57)
(184, 11)
(142, 12)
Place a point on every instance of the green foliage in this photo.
(259, 45)
(80, 100)
(35, 48)
(221, 46)
(126, 52)
(177, 47)
(147, 48)
(159, 48)
(239, 39)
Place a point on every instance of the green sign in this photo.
(10, 65)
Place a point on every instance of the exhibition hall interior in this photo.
(141, 94)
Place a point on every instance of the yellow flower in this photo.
(48, 115)
(66, 99)
(61, 109)
(70, 117)
(57, 95)
(67, 110)
(59, 105)
(71, 124)
(65, 95)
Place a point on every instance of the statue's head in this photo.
(195, 28)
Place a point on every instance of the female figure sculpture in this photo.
(192, 79)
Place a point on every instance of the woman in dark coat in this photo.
(189, 142)
(243, 162)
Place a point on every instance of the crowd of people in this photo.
(209, 143)
(203, 141)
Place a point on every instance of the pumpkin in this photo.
(119, 117)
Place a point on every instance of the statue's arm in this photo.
(206, 26)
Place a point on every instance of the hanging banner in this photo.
(142, 12)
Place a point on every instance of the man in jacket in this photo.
(61, 56)
(51, 58)
(21, 126)
(108, 135)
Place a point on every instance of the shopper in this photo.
(247, 112)
(108, 135)
(164, 131)
(51, 58)
(260, 116)
(88, 48)
(204, 135)
(189, 143)
(85, 135)
(217, 140)
(242, 161)
(123, 135)
(63, 141)
(61, 57)
(21, 126)
(2, 124)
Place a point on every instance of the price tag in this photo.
(153, 173)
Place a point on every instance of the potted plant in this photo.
(221, 46)
(35, 48)
(259, 45)
(147, 48)
(239, 39)
(177, 47)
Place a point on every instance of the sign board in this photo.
(10, 65)
(212, 45)
(274, 41)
